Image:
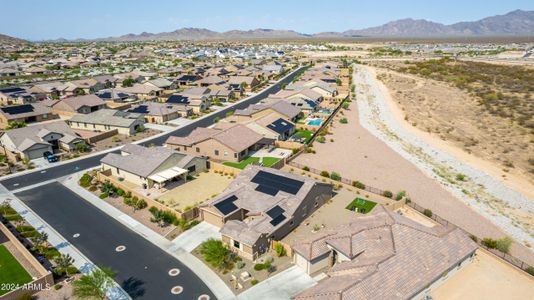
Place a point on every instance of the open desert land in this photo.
(360, 155)
(452, 119)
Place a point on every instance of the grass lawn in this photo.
(306, 134)
(267, 162)
(361, 205)
(11, 270)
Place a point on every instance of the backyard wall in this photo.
(215, 166)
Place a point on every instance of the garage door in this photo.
(36, 152)
(301, 262)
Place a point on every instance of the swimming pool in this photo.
(315, 122)
(325, 111)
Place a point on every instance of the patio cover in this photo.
(167, 174)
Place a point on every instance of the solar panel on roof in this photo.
(275, 212)
(105, 95)
(227, 205)
(280, 126)
(178, 99)
(19, 109)
(11, 90)
(141, 109)
(277, 220)
(270, 183)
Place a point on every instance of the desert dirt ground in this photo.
(360, 155)
(451, 119)
(489, 278)
(203, 187)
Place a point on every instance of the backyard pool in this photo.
(325, 111)
(315, 122)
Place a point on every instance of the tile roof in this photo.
(24, 138)
(108, 117)
(391, 257)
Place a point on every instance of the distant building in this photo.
(25, 113)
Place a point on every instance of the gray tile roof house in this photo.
(382, 255)
(291, 112)
(261, 205)
(155, 165)
(161, 83)
(80, 104)
(107, 119)
(32, 141)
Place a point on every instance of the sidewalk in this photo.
(174, 248)
(57, 241)
(281, 286)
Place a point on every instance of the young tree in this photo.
(215, 253)
(128, 82)
(39, 239)
(95, 284)
(64, 261)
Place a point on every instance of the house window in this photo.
(291, 223)
(235, 155)
(316, 204)
(217, 152)
(118, 172)
(236, 244)
(225, 153)
(198, 149)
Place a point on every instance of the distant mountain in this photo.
(515, 23)
(6, 39)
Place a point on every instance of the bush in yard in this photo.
(460, 177)
(388, 194)
(280, 250)
(140, 204)
(120, 192)
(215, 253)
(504, 244)
(240, 264)
(427, 212)
(306, 168)
(400, 195)
(489, 242)
(104, 195)
(127, 201)
(93, 188)
(259, 267)
(345, 105)
(254, 281)
(335, 176)
(325, 174)
(343, 121)
(85, 180)
(358, 184)
(321, 139)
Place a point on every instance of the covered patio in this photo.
(161, 179)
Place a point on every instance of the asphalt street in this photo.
(142, 268)
(37, 177)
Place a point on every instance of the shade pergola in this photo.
(167, 175)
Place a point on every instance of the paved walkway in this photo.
(159, 127)
(192, 238)
(281, 286)
(57, 241)
(214, 282)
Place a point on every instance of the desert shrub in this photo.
(388, 194)
(254, 281)
(345, 105)
(240, 264)
(335, 176)
(140, 204)
(93, 188)
(120, 192)
(85, 180)
(104, 195)
(504, 244)
(427, 212)
(325, 174)
(400, 195)
(343, 121)
(216, 253)
(358, 184)
(306, 168)
(259, 267)
(280, 249)
(321, 139)
(489, 242)
(460, 177)
(530, 270)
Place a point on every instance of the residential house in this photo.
(108, 81)
(307, 106)
(230, 144)
(248, 83)
(150, 167)
(382, 255)
(108, 119)
(114, 95)
(263, 205)
(187, 80)
(255, 111)
(84, 86)
(210, 80)
(54, 89)
(25, 113)
(142, 91)
(77, 105)
(155, 112)
(161, 83)
(32, 141)
(17, 95)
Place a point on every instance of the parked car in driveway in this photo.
(50, 156)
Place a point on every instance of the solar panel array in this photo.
(275, 212)
(227, 205)
(269, 183)
(104, 95)
(280, 126)
(141, 109)
(11, 90)
(178, 99)
(19, 109)
(277, 220)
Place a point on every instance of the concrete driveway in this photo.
(190, 239)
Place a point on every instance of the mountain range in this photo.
(515, 23)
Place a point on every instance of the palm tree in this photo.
(64, 261)
(95, 284)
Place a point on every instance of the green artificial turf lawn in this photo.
(267, 162)
(11, 271)
(306, 134)
(361, 205)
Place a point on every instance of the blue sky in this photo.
(50, 19)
